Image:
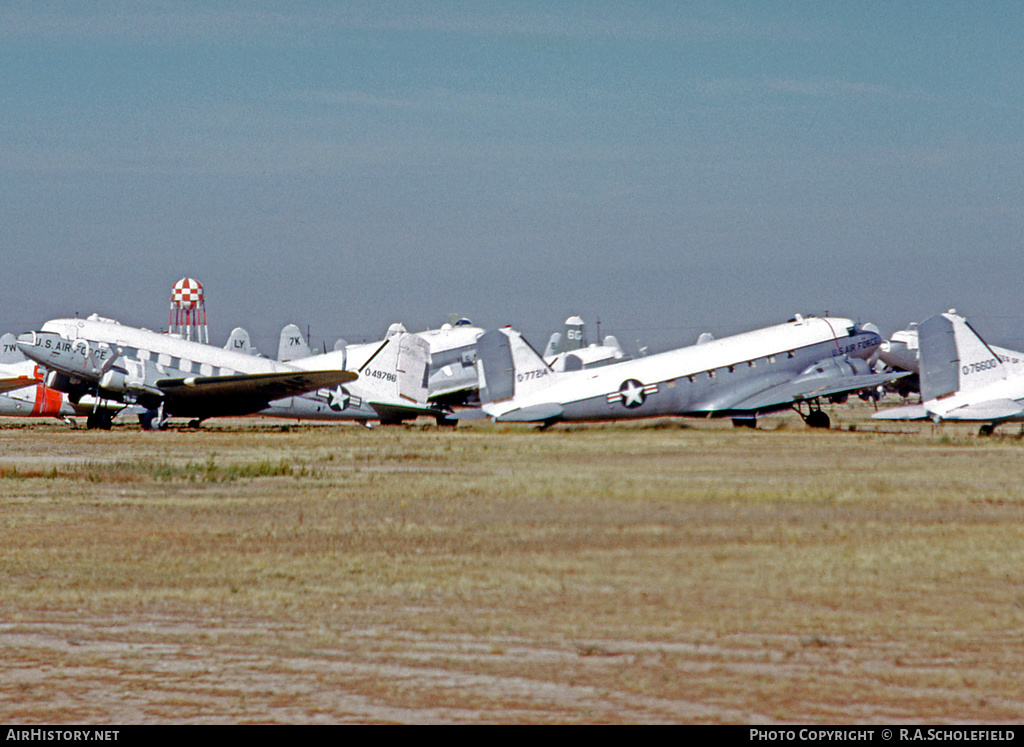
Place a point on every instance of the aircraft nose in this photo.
(27, 341)
(38, 345)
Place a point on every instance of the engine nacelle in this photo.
(835, 368)
(73, 387)
(115, 380)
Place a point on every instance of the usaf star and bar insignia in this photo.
(339, 399)
(632, 393)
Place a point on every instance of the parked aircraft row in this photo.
(97, 366)
(798, 364)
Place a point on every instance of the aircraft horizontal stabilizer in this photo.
(797, 390)
(257, 387)
(533, 414)
(994, 409)
(909, 412)
(18, 382)
(395, 413)
(475, 413)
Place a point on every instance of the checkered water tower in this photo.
(188, 311)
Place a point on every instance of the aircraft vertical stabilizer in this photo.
(292, 345)
(240, 342)
(397, 370)
(495, 370)
(575, 334)
(508, 366)
(954, 358)
(9, 352)
(573, 338)
(413, 360)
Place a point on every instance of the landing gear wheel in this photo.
(444, 422)
(150, 421)
(744, 422)
(100, 420)
(817, 419)
(987, 430)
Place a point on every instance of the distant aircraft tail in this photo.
(240, 342)
(9, 351)
(292, 344)
(573, 338)
(508, 366)
(954, 358)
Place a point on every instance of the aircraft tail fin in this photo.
(508, 366)
(554, 346)
(573, 338)
(611, 341)
(9, 351)
(240, 342)
(954, 358)
(292, 344)
(397, 370)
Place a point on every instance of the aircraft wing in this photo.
(16, 382)
(788, 392)
(240, 393)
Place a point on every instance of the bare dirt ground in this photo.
(668, 571)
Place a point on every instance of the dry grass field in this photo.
(666, 571)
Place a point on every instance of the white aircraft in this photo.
(394, 393)
(963, 378)
(453, 377)
(391, 387)
(568, 350)
(900, 350)
(792, 365)
(23, 393)
(164, 374)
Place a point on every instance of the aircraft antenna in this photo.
(188, 311)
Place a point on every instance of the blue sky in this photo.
(666, 167)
